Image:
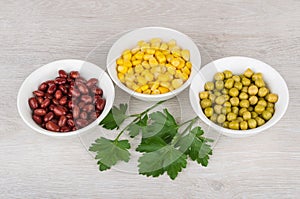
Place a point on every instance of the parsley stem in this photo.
(188, 128)
(188, 121)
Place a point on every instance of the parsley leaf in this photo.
(135, 128)
(109, 152)
(115, 117)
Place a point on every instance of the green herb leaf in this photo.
(115, 117)
(109, 152)
(135, 128)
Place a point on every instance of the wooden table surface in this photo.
(33, 33)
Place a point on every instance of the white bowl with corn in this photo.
(153, 63)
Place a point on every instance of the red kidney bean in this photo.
(80, 80)
(97, 91)
(52, 126)
(50, 82)
(70, 122)
(96, 97)
(49, 96)
(88, 108)
(74, 92)
(37, 119)
(33, 103)
(81, 105)
(81, 122)
(51, 89)
(83, 115)
(69, 79)
(62, 121)
(65, 129)
(58, 94)
(70, 104)
(60, 80)
(40, 99)
(45, 103)
(63, 100)
(69, 116)
(98, 113)
(55, 101)
(51, 107)
(100, 104)
(74, 128)
(43, 86)
(49, 116)
(39, 93)
(91, 82)
(59, 111)
(62, 73)
(63, 89)
(86, 99)
(74, 74)
(76, 112)
(92, 115)
(39, 112)
(82, 88)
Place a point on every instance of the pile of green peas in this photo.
(238, 102)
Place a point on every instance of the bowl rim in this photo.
(226, 131)
(149, 96)
(71, 133)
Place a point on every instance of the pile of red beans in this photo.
(67, 103)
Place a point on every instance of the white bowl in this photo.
(50, 71)
(238, 65)
(130, 39)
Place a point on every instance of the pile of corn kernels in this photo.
(154, 67)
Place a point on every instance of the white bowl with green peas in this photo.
(238, 65)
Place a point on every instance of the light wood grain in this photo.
(33, 33)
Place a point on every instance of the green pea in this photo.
(238, 85)
(235, 110)
(246, 115)
(208, 111)
(233, 92)
(219, 76)
(259, 109)
(231, 116)
(229, 83)
(241, 111)
(239, 119)
(226, 110)
(225, 124)
(212, 97)
(234, 101)
(221, 118)
(263, 91)
(273, 98)
(252, 90)
(219, 84)
(214, 117)
(243, 96)
(227, 97)
(225, 91)
(262, 102)
(244, 125)
(203, 94)
(252, 123)
(245, 89)
(248, 73)
(257, 76)
(217, 93)
(260, 83)
(234, 125)
(266, 115)
(270, 109)
(270, 105)
(227, 104)
(260, 121)
(227, 74)
(236, 78)
(246, 81)
(218, 109)
(254, 114)
(209, 86)
(205, 103)
(244, 103)
(220, 100)
(253, 100)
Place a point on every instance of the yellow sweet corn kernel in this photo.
(163, 89)
(129, 84)
(186, 70)
(129, 77)
(176, 83)
(127, 51)
(175, 62)
(148, 91)
(155, 40)
(138, 68)
(185, 54)
(141, 80)
(163, 77)
(169, 65)
(150, 51)
(183, 76)
(127, 63)
(174, 48)
(188, 65)
(160, 57)
(178, 73)
(166, 52)
(155, 69)
(119, 61)
(139, 55)
(144, 72)
(144, 47)
(155, 92)
(169, 57)
(144, 87)
(141, 43)
(133, 58)
(136, 62)
(165, 84)
(127, 56)
(155, 86)
(155, 46)
(149, 77)
(121, 77)
(163, 69)
(176, 52)
(130, 71)
(163, 47)
(171, 69)
(171, 77)
(181, 63)
(146, 64)
(147, 56)
(153, 61)
(171, 88)
(139, 90)
(134, 87)
(135, 49)
(172, 42)
(122, 69)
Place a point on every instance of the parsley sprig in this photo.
(164, 146)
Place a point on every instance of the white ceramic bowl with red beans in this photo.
(50, 72)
